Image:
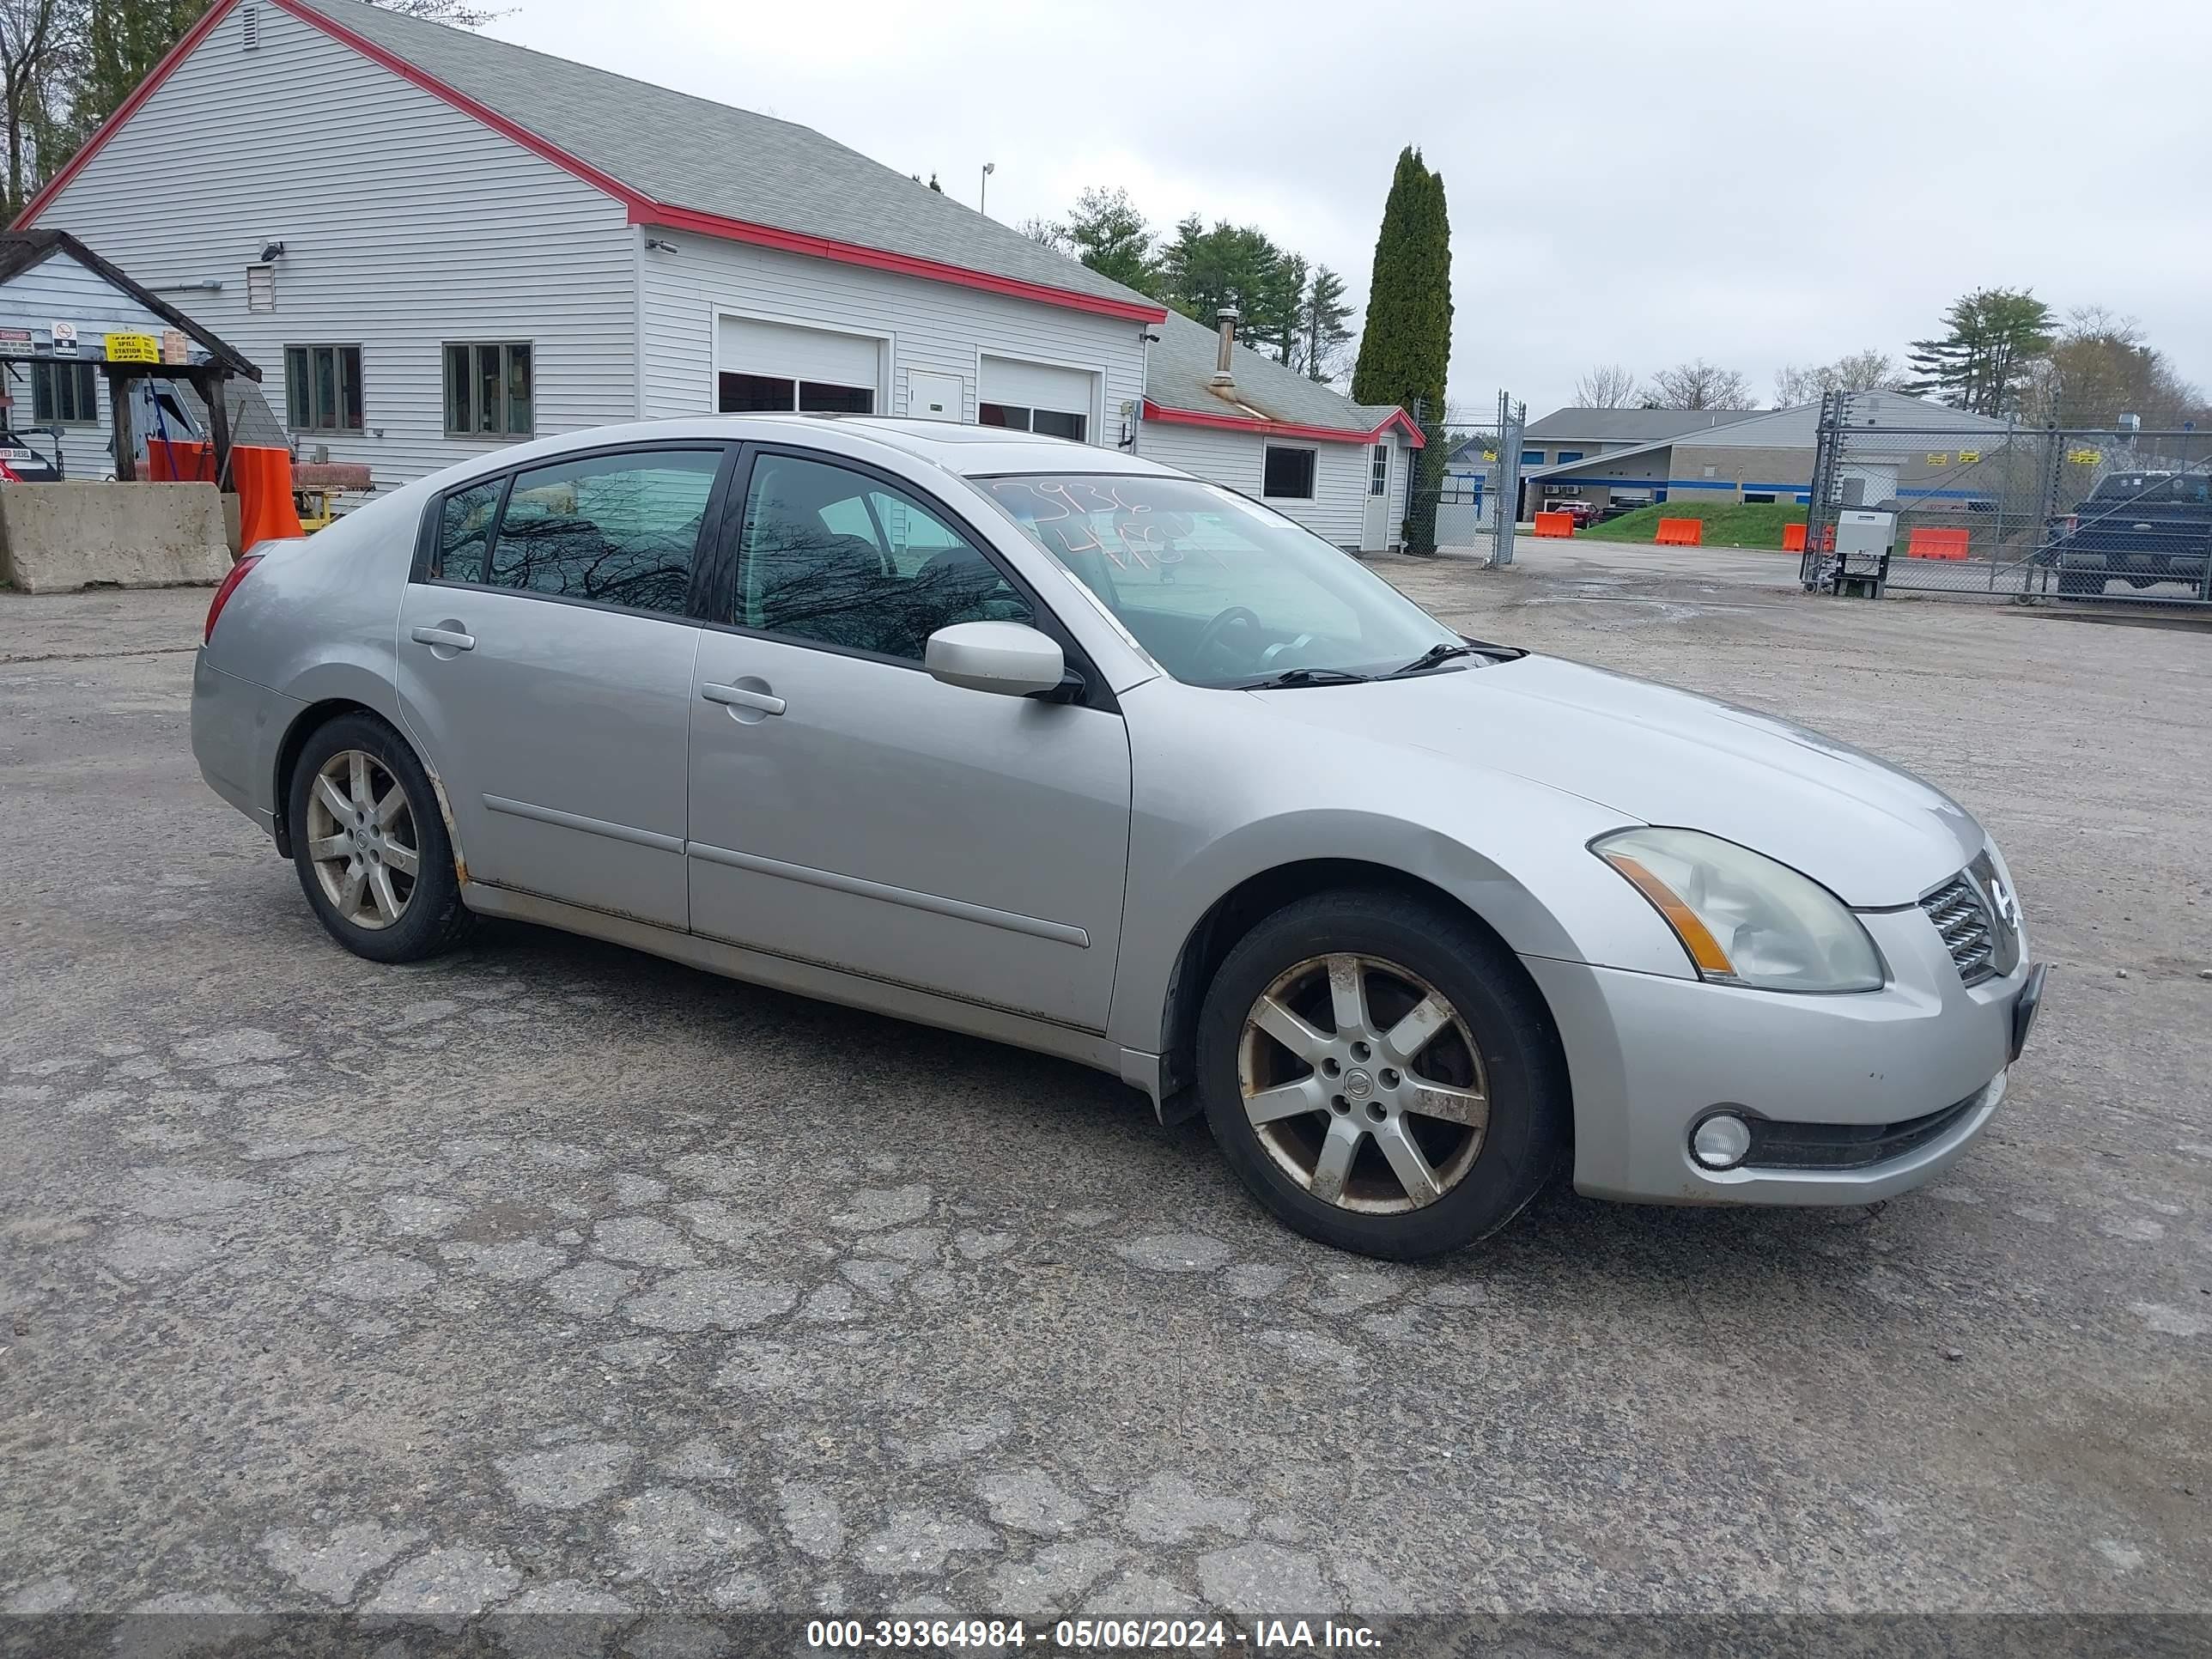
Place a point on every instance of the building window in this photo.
(1766, 496)
(1567, 455)
(64, 394)
(1532, 457)
(489, 389)
(1288, 474)
(322, 388)
(773, 394)
(1052, 422)
(1378, 474)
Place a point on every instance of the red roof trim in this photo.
(123, 111)
(641, 209)
(1398, 418)
(906, 265)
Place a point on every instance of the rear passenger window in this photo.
(465, 531)
(615, 529)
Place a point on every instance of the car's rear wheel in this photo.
(1381, 1075)
(372, 851)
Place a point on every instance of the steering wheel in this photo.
(1215, 631)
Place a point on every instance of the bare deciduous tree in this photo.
(1870, 370)
(1606, 386)
(34, 38)
(1699, 385)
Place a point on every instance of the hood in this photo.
(1872, 834)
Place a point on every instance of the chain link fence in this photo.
(1993, 509)
(1482, 487)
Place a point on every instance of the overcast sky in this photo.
(1631, 181)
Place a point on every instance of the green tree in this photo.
(1202, 270)
(1405, 352)
(1108, 234)
(39, 49)
(1322, 335)
(1981, 363)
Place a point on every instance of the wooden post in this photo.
(126, 447)
(209, 385)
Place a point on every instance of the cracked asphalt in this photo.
(551, 1277)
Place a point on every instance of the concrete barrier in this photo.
(57, 538)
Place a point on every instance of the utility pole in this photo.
(983, 193)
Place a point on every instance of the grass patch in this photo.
(1727, 524)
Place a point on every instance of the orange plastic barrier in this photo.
(1937, 545)
(1793, 538)
(1555, 523)
(1681, 533)
(262, 477)
(177, 460)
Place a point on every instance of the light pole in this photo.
(983, 192)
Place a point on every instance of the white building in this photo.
(432, 243)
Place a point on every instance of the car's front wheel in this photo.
(1381, 1075)
(371, 847)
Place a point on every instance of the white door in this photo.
(1038, 398)
(767, 367)
(934, 396)
(1375, 533)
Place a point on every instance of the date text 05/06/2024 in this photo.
(1084, 1635)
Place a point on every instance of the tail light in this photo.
(2073, 522)
(222, 594)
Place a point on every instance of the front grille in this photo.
(1847, 1145)
(1969, 932)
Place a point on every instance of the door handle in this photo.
(451, 637)
(735, 696)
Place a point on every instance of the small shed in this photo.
(66, 313)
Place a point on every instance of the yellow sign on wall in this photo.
(2083, 457)
(133, 349)
(1968, 457)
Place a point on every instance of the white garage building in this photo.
(432, 243)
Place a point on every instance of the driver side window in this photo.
(838, 558)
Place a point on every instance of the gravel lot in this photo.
(549, 1276)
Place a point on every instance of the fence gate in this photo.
(1477, 508)
(2000, 510)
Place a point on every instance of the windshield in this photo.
(1219, 590)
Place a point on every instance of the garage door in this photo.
(777, 366)
(1037, 397)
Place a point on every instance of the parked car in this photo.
(1062, 747)
(1584, 513)
(2143, 528)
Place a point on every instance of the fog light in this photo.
(1720, 1141)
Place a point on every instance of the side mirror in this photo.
(1011, 658)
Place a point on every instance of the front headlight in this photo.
(1744, 918)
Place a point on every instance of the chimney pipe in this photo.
(1227, 316)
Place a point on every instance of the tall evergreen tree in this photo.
(1405, 352)
(1108, 234)
(1992, 339)
(1322, 335)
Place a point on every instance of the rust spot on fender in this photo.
(453, 835)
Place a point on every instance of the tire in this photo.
(1496, 1044)
(401, 915)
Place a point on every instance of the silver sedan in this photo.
(1048, 744)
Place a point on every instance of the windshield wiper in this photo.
(1442, 651)
(1296, 677)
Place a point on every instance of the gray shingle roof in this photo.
(1180, 369)
(682, 151)
(1635, 426)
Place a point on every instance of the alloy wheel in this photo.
(361, 839)
(1364, 1084)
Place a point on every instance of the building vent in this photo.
(261, 288)
(249, 27)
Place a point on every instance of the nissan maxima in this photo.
(1050, 743)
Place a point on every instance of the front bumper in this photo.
(1650, 1055)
